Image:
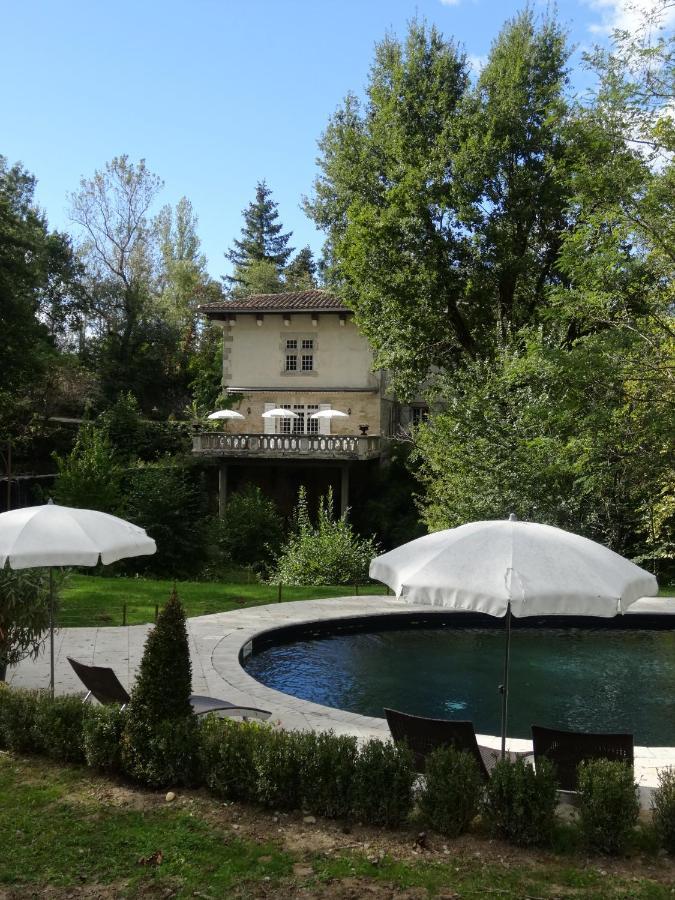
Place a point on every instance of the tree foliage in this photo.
(24, 614)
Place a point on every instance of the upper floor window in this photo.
(419, 414)
(308, 343)
(307, 362)
(291, 362)
(292, 344)
(298, 354)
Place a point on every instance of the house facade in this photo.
(299, 351)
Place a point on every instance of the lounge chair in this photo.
(423, 735)
(102, 683)
(566, 749)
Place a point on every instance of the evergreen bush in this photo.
(520, 801)
(17, 717)
(227, 757)
(101, 737)
(383, 784)
(663, 809)
(250, 532)
(160, 736)
(328, 774)
(608, 804)
(279, 760)
(58, 727)
(451, 796)
(90, 476)
(329, 552)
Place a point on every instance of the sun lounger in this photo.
(566, 749)
(102, 684)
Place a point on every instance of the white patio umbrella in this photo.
(329, 414)
(225, 414)
(507, 568)
(279, 414)
(51, 535)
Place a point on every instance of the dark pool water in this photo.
(579, 679)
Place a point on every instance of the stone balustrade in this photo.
(270, 446)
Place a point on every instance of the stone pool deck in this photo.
(215, 644)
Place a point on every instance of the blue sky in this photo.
(214, 94)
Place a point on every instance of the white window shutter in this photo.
(269, 425)
(324, 424)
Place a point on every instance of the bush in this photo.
(90, 476)
(328, 774)
(227, 757)
(279, 758)
(251, 531)
(451, 797)
(24, 614)
(329, 553)
(608, 804)
(101, 738)
(57, 727)
(17, 717)
(383, 783)
(160, 736)
(663, 809)
(520, 802)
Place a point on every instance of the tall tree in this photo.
(263, 247)
(442, 203)
(301, 273)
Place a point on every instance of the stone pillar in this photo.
(222, 489)
(344, 488)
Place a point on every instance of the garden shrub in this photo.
(58, 727)
(90, 475)
(227, 757)
(329, 552)
(24, 614)
(279, 758)
(452, 793)
(663, 809)
(383, 784)
(250, 532)
(520, 801)
(608, 804)
(160, 735)
(101, 737)
(328, 774)
(17, 717)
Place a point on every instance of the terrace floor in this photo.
(215, 644)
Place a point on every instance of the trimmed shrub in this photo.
(279, 759)
(17, 717)
(383, 784)
(608, 804)
(328, 774)
(160, 736)
(57, 727)
(520, 802)
(452, 793)
(663, 809)
(227, 757)
(101, 738)
(250, 532)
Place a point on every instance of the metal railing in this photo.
(329, 446)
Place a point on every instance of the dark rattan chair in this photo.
(566, 749)
(423, 735)
(102, 683)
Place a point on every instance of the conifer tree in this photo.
(300, 273)
(262, 238)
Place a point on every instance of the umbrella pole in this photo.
(51, 630)
(504, 686)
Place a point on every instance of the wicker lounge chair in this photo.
(102, 683)
(423, 735)
(566, 749)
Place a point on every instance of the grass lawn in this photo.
(70, 833)
(90, 600)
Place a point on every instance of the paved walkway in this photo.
(215, 645)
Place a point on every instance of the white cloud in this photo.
(628, 15)
(451, 2)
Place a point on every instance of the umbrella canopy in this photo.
(52, 535)
(507, 568)
(329, 414)
(535, 570)
(225, 414)
(279, 414)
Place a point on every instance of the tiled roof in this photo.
(294, 301)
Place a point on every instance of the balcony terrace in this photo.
(287, 446)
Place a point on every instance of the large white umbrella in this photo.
(52, 535)
(507, 568)
(329, 414)
(225, 414)
(280, 413)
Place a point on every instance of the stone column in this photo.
(344, 488)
